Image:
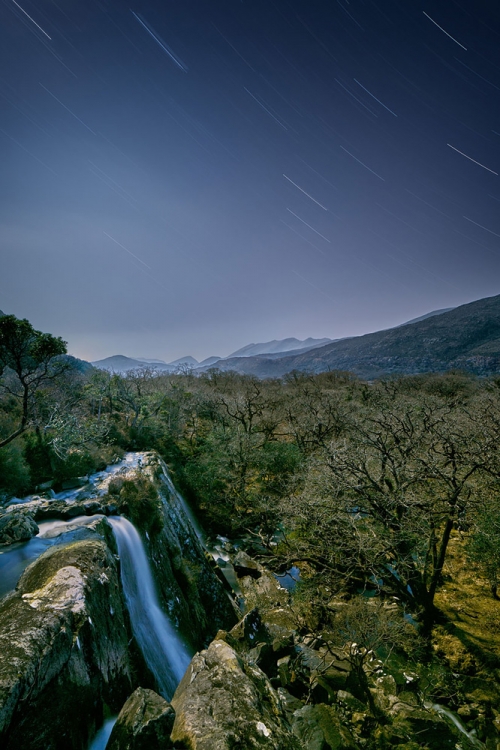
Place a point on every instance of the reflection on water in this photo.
(16, 558)
(290, 579)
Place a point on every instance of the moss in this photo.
(140, 501)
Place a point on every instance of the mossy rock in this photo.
(63, 649)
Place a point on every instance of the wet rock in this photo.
(319, 728)
(63, 649)
(144, 723)
(191, 592)
(223, 703)
(17, 526)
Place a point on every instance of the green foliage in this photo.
(237, 478)
(23, 349)
(140, 501)
(483, 544)
(29, 359)
(14, 472)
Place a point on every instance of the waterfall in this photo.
(162, 648)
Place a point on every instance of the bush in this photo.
(14, 472)
(139, 500)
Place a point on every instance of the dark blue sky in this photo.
(188, 176)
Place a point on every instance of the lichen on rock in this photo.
(144, 723)
(62, 653)
(223, 702)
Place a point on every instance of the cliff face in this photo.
(63, 649)
(191, 592)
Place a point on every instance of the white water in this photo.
(162, 648)
(101, 739)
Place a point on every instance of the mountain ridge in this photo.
(466, 337)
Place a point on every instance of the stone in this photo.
(144, 723)
(250, 630)
(223, 703)
(319, 727)
(63, 649)
(244, 565)
(17, 526)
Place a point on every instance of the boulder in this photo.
(144, 723)
(264, 591)
(63, 649)
(223, 703)
(244, 565)
(17, 526)
(319, 728)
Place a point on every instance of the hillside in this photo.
(278, 347)
(466, 337)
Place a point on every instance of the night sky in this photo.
(189, 176)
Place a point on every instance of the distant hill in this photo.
(209, 361)
(427, 315)
(466, 337)
(278, 347)
(120, 363)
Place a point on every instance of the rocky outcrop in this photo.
(18, 526)
(144, 723)
(44, 509)
(63, 649)
(222, 702)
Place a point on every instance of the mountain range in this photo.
(275, 348)
(465, 337)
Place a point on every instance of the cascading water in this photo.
(164, 652)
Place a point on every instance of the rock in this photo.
(244, 565)
(144, 723)
(223, 703)
(387, 684)
(321, 671)
(17, 526)
(63, 649)
(349, 702)
(272, 600)
(319, 728)
(46, 486)
(433, 730)
(191, 592)
(250, 630)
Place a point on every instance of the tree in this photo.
(382, 498)
(28, 360)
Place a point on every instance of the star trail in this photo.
(188, 177)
